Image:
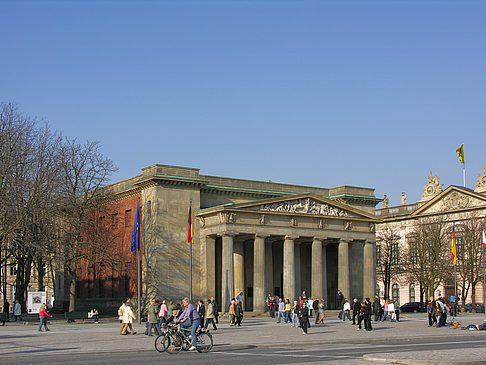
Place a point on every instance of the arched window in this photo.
(412, 292)
(395, 293)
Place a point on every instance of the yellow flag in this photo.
(460, 153)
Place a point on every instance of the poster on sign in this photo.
(34, 300)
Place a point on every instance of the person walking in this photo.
(43, 318)
(210, 315)
(232, 312)
(272, 306)
(287, 309)
(340, 300)
(153, 318)
(281, 307)
(127, 319)
(315, 307)
(238, 313)
(163, 314)
(303, 317)
(17, 312)
(430, 312)
(295, 314)
(361, 315)
(356, 309)
(367, 314)
(215, 309)
(320, 313)
(346, 310)
(201, 310)
(377, 308)
(121, 310)
(391, 311)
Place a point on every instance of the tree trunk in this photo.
(72, 293)
(473, 297)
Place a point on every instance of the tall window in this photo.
(378, 255)
(412, 292)
(128, 217)
(13, 269)
(396, 293)
(394, 253)
(413, 253)
(460, 249)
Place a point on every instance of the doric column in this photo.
(269, 289)
(369, 270)
(227, 272)
(316, 269)
(324, 272)
(343, 268)
(289, 268)
(239, 267)
(210, 267)
(259, 294)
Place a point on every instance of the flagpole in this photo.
(484, 279)
(138, 285)
(190, 252)
(464, 173)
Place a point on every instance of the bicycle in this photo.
(174, 340)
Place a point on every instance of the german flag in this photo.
(190, 232)
(453, 247)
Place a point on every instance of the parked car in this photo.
(413, 307)
(479, 308)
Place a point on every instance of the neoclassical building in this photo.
(453, 205)
(254, 237)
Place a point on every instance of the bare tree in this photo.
(84, 175)
(428, 261)
(469, 255)
(388, 258)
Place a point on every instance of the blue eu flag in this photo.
(136, 230)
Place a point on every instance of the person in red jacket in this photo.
(43, 317)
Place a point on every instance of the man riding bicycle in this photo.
(190, 318)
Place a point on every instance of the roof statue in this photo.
(481, 184)
(404, 199)
(385, 201)
(432, 189)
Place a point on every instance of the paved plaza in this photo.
(259, 340)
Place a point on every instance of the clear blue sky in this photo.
(324, 93)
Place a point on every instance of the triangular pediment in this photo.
(304, 204)
(454, 198)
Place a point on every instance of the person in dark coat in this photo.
(339, 301)
(238, 313)
(303, 317)
(377, 309)
(367, 315)
(356, 309)
(201, 310)
(361, 315)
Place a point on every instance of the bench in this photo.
(71, 316)
(3, 317)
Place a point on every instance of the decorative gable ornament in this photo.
(432, 189)
(481, 184)
(305, 206)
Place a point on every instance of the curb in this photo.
(384, 360)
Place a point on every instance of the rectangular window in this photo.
(378, 255)
(128, 217)
(394, 254)
(13, 269)
(413, 253)
(460, 249)
(12, 293)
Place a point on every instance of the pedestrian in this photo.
(215, 309)
(121, 310)
(391, 311)
(346, 310)
(295, 314)
(281, 307)
(163, 312)
(377, 308)
(238, 313)
(232, 312)
(356, 309)
(361, 314)
(367, 314)
(240, 298)
(210, 315)
(127, 319)
(339, 301)
(17, 311)
(304, 295)
(385, 310)
(397, 310)
(43, 318)
(315, 307)
(303, 317)
(190, 319)
(287, 309)
(310, 305)
(430, 312)
(320, 312)
(201, 310)
(272, 306)
(153, 318)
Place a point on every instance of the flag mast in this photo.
(484, 271)
(139, 277)
(454, 261)
(135, 248)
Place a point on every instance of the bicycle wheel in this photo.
(204, 342)
(174, 344)
(161, 342)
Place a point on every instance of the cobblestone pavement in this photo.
(19, 340)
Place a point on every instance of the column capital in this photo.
(344, 240)
(320, 239)
(290, 237)
(370, 242)
(227, 234)
(258, 235)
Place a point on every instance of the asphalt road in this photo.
(313, 354)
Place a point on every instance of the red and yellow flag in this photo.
(190, 232)
(453, 247)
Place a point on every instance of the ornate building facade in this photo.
(455, 206)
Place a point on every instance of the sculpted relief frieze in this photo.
(454, 201)
(306, 206)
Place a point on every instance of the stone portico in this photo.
(283, 246)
